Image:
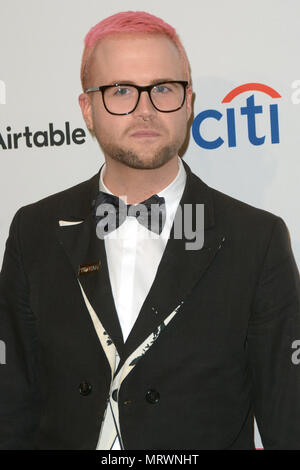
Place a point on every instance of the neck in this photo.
(138, 185)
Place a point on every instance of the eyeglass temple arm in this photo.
(92, 89)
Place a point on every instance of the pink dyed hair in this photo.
(129, 22)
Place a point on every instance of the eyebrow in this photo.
(130, 82)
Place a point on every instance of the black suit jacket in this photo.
(225, 356)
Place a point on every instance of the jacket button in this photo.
(115, 394)
(85, 388)
(152, 396)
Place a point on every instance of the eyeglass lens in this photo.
(123, 98)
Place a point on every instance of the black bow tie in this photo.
(110, 212)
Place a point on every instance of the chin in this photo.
(144, 156)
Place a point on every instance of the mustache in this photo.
(144, 128)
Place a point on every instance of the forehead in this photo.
(135, 57)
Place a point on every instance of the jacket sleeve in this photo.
(273, 335)
(19, 410)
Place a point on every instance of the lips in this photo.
(144, 133)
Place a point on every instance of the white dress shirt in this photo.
(133, 256)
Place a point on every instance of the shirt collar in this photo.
(171, 193)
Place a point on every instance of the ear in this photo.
(86, 109)
(189, 95)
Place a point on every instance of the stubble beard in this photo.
(133, 160)
(136, 160)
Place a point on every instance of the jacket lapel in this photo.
(179, 269)
(77, 235)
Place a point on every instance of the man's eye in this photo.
(122, 91)
(161, 89)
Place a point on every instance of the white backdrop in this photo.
(228, 43)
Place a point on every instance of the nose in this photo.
(145, 108)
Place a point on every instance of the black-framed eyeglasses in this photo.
(123, 98)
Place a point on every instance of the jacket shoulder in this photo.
(251, 227)
(75, 195)
(229, 208)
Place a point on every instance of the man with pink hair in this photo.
(143, 309)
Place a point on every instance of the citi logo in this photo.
(247, 112)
